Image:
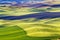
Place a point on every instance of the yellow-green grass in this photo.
(24, 11)
(16, 11)
(54, 10)
(41, 28)
(8, 32)
(28, 29)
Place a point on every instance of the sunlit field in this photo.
(23, 11)
(16, 11)
(28, 29)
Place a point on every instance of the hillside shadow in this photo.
(38, 16)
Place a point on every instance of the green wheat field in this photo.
(27, 29)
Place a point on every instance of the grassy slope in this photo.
(28, 30)
(16, 11)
